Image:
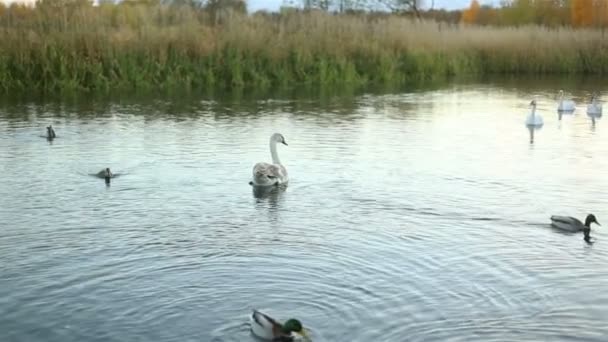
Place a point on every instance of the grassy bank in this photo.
(144, 47)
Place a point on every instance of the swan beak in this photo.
(284, 143)
(598, 223)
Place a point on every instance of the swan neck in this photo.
(273, 152)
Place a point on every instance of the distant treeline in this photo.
(552, 13)
(143, 45)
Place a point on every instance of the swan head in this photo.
(279, 138)
(533, 103)
(591, 219)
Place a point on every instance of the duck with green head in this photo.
(573, 224)
(265, 327)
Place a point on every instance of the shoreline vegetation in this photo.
(143, 46)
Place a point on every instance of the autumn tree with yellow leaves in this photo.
(469, 16)
(582, 12)
(552, 13)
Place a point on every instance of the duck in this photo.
(594, 108)
(267, 328)
(50, 133)
(265, 174)
(105, 174)
(565, 105)
(534, 119)
(573, 224)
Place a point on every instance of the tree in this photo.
(395, 6)
(600, 9)
(519, 12)
(486, 15)
(582, 13)
(469, 16)
(63, 3)
(552, 13)
(405, 6)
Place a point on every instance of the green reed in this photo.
(151, 47)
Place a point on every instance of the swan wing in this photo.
(566, 105)
(594, 109)
(534, 120)
(267, 170)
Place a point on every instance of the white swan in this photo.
(534, 119)
(594, 108)
(565, 105)
(265, 174)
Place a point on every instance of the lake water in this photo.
(410, 216)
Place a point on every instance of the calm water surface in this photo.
(410, 216)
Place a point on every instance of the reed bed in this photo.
(146, 47)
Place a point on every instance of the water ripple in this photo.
(414, 217)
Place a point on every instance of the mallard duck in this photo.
(265, 327)
(573, 224)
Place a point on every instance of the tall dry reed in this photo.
(138, 46)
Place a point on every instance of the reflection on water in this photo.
(531, 129)
(270, 193)
(419, 215)
(593, 118)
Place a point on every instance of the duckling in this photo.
(50, 133)
(572, 224)
(265, 327)
(105, 174)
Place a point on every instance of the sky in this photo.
(254, 5)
